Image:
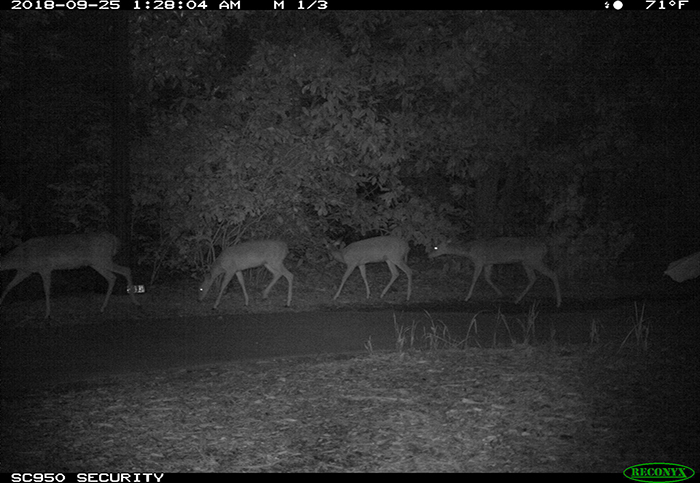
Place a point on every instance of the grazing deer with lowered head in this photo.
(233, 260)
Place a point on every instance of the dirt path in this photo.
(34, 358)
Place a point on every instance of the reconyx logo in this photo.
(658, 472)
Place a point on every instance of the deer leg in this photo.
(126, 273)
(409, 273)
(477, 272)
(276, 274)
(290, 278)
(487, 276)
(239, 276)
(394, 276)
(531, 281)
(345, 277)
(18, 278)
(363, 272)
(46, 277)
(111, 278)
(224, 283)
(553, 276)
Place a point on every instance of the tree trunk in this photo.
(120, 201)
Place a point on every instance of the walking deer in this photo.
(484, 254)
(235, 259)
(43, 255)
(389, 249)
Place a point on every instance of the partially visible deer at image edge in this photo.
(389, 249)
(529, 252)
(43, 255)
(233, 260)
(687, 268)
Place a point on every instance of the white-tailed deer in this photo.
(235, 259)
(684, 269)
(43, 255)
(484, 254)
(389, 249)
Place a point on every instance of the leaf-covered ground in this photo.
(524, 409)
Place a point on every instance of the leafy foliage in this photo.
(314, 128)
